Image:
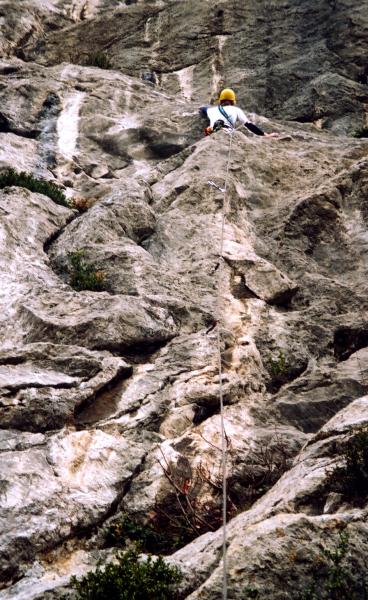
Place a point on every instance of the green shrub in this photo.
(361, 133)
(97, 59)
(278, 365)
(251, 593)
(41, 186)
(125, 529)
(332, 579)
(351, 478)
(280, 372)
(84, 276)
(129, 579)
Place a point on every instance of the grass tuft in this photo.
(98, 59)
(10, 177)
(84, 276)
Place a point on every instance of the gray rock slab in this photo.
(43, 386)
(59, 486)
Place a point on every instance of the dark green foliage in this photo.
(282, 369)
(251, 593)
(41, 186)
(98, 59)
(351, 479)
(278, 365)
(278, 371)
(331, 575)
(129, 579)
(361, 133)
(148, 539)
(84, 276)
(332, 579)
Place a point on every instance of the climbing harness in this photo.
(224, 114)
(219, 321)
(220, 124)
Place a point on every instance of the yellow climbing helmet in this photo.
(227, 94)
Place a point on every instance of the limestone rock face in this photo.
(285, 528)
(302, 61)
(43, 385)
(110, 398)
(54, 486)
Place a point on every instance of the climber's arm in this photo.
(253, 128)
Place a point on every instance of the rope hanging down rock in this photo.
(219, 319)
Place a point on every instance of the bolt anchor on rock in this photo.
(216, 186)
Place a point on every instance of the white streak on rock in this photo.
(221, 42)
(147, 30)
(67, 125)
(91, 8)
(83, 9)
(185, 77)
(127, 121)
(217, 59)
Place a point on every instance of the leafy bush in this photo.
(97, 59)
(129, 579)
(82, 275)
(351, 478)
(125, 529)
(361, 133)
(41, 186)
(333, 580)
(282, 369)
(278, 365)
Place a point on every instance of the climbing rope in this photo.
(219, 319)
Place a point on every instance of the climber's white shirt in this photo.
(234, 113)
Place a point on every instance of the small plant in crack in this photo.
(98, 59)
(351, 478)
(281, 370)
(361, 133)
(11, 177)
(251, 593)
(84, 276)
(278, 365)
(82, 204)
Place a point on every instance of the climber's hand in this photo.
(272, 135)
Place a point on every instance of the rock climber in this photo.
(226, 114)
